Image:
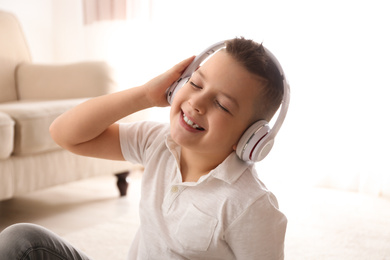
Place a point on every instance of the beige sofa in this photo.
(31, 97)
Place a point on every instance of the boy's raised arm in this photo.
(89, 129)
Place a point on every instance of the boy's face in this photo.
(214, 108)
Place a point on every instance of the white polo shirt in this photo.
(227, 214)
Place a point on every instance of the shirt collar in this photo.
(231, 169)
(228, 171)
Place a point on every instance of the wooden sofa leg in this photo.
(122, 182)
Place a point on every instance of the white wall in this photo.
(53, 28)
(68, 31)
(36, 18)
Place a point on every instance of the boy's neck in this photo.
(194, 165)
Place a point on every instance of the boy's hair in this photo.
(253, 57)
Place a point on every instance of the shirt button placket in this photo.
(174, 189)
(171, 197)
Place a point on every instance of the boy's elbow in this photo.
(56, 133)
(53, 130)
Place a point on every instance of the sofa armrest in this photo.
(6, 136)
(77, 80)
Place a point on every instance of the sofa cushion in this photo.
(32, 122)
(66, 81)
(6, 135)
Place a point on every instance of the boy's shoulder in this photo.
(243, 186)
(137, 139)
(246, 194)
(255, 190)
(250, 187)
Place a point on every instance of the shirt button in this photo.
(174, 189)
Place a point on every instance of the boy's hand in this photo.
(156, 88)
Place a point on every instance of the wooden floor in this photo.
(67, 208)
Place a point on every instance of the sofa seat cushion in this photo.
(32, 122)
(6, 135)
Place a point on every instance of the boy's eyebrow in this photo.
(223, 93)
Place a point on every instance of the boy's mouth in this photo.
(190, 123)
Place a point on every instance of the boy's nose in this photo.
(197, 103)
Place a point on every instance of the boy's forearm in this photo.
(93, 117)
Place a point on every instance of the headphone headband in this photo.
(286, 96)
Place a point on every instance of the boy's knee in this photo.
(20, 241)
(17, 237)
(20, 232)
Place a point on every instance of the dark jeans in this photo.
(33, 242)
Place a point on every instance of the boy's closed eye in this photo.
(217, 103)
(221, 106)
(194, 85)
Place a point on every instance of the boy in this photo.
(199, 200)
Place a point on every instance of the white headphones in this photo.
(258, 139)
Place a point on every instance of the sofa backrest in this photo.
(13, 51)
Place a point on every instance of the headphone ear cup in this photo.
(253, 139)
(176, 88)
(262, 149)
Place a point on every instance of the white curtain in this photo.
(104, 10)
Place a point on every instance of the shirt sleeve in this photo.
(258, 233)
(136, 139)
